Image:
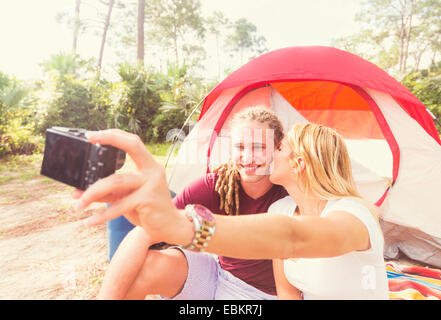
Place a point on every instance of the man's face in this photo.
(252, 150)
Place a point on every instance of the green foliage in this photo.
(426, 85)
(67, 98)
(135, 100)
(159, 149)
(165, 122)
(171, 21)
(180, 94)
(12, 98)
(19, 138)
(16, 118)
(63, 64)
(245, 39)
(4, 80)
(396, 35)
(74, 103)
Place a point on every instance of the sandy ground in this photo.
(45, 250)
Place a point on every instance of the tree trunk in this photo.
(103, 40)
(76, 29)
(408, 35)
(418, 60)
(175, 44)
(218, 57)
(176, 51)
(402, 36)
(406, 51)
(140, 32)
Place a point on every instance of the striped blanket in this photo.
(413, 283)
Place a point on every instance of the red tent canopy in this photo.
(318, 63)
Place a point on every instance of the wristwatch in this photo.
(204, 226)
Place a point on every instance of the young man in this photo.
(241, 186)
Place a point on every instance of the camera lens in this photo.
(120, 158)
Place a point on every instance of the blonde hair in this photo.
(328, 172)
(227, 185)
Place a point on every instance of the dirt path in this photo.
(45, 251)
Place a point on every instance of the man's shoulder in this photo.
(205, 182)
(276, 193)
(211, 179)
(200, 191)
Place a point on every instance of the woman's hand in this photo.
(142, 197)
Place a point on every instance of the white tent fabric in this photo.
(412, 224)
(420, 169)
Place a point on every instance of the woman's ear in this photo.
(301, 163)
(298, 164)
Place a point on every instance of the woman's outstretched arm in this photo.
(144, 198)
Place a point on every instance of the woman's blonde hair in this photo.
(328, 172)
(227, 185)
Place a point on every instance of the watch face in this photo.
(203, 212)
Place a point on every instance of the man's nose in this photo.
(247, 155)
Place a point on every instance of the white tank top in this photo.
(357, 275)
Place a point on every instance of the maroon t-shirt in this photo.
(257, 273)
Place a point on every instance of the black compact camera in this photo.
(70, 158)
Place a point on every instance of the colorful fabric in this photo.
(413, 283)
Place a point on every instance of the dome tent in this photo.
(391, 138)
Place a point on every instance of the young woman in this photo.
(340, 249)
(239, 187)
(331, 231)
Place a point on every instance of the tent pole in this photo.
(433, 116)
(180, 131)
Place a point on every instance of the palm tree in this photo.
(140, 32)
(67, 64)
(106, 28)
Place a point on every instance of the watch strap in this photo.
(204, 228)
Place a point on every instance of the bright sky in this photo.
(29, 33)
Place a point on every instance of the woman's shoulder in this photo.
(285, 206)
(351, 204)
(369, 215)
(362, 209)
